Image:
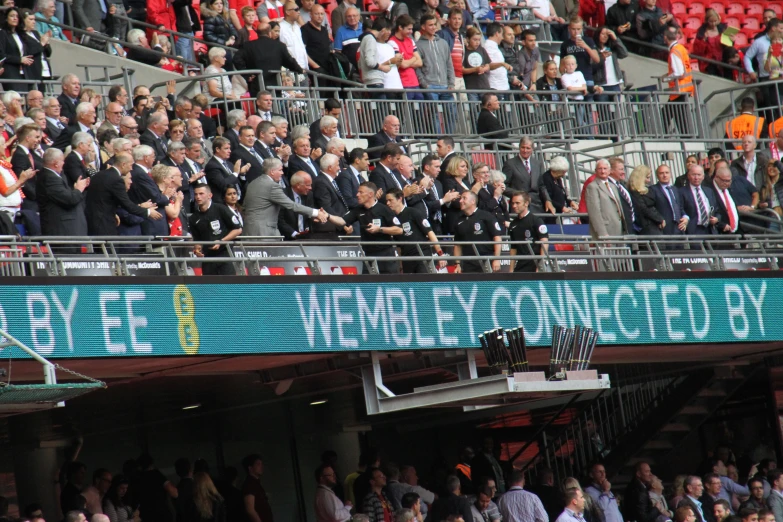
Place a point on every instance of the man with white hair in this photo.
(69, 98)
(55, 122)
(603, 204)
(118, 146)
(328, 126)
(155, 135)
(329, 198)
(144, 188)
(113, 112)
(35, 99)
(84, 119)
(234, 121)
(195, 131)
(61, 206)
(75, 166)
(336, 146)
(143, 52)
(389, 133)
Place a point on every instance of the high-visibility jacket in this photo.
(775, 127)
(742, 125)
(683, 85)
(464, 469)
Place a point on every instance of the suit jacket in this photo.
(185, 171)
(758, 175)
(288, 220)
(451, 211)
(377, 141)
(775, 504)
(722, 213)
(670, 212)
(263, 201)
(628, 210)
(21, 162)
(295, 164)
(52, 130)
(67, 108)
(87, 13)
(265, 54)
(488, 122)
(144, 189)
(691, 504)
(106, 193)
(637, 505)
(648, 218)
(73, 168)
(241, 153)
(61, 206)
(604, 210)
(384, 179)
(327, 198)
(432, 200)
(157, 144)
(219, 177)
(13, 68)
(349, 186)
(707, 505)
(232, 137)
(517, 178)
(691, 209)
(63, 140)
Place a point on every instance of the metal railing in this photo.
(731, 98)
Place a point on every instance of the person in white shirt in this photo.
(498, 68)
(291, 35)
(600, 490)
(574, 81)
(328, 507)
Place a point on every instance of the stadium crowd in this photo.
(479, 487)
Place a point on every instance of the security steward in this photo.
(377, 224)
(525, 227)
(213, 222)
(476, 225)
(415, 229)
(746, 123)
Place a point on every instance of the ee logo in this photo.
(185, 309)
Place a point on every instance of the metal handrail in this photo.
(658, 47)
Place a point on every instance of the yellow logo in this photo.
(185, 308)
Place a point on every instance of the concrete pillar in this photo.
(35, 467)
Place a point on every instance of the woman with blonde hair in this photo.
(678, 488)
(210, 506)
(772, 191)
(456, 173)
(649, 221)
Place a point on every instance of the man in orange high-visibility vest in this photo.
(680, 80)
(746, 123)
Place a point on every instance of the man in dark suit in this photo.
(405, 172)
(144, 188)
(264, 54)
(83, 120)
(54, 123)
(220, 172)
(488, 123)
(78, 161)
(692, 485)
(349, 179)
(264, 106)
(328, 127)
(638, 505)
(617, 176)
(445, 149)
(176, 158)
(107, 192)
(61, 206)
(267, 140)
(525, 172)
(234, 121)
(698, 202)
(290, 224)
(28, 137)
(392, 10)
(383, 176)
(69, 98)
(388, 134)
(333, 108)
(155, 135)
(435, 196)
(328, 196)
(247, 154)
(301, 159)
(668, 203)
(727, 210)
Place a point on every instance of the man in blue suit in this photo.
(668, 202)
(699, 203)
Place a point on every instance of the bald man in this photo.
(389, 134)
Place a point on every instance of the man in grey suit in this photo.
(603, 205)
(265, 197)
(525, 172)
(88, 14)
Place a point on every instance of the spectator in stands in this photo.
(217, 26)
(758, 50)
(549, 82)
(176, 131)
(600, 491)
(604, 207)
(34, 99)
(545, 11)
(617, 176)
(488, 125)
(220, 173)
(45, 13)
(147, 53)
(583, 50)
(574, 505)
(389, 133)
(155, 134)
(83, 121)
(524, 173)
(250, 26)
(518, 505)
(11, 183)
(347, 36)
(452, 34)
(87, 15)
(18, 58)
(454, 503)
(638, 505)
(608, 75)
(652, 22)
(454, 180)
(648, 220)
(775, 499)
(219, 87)
(338, 17)
(61, 205)
(391, 10)
(524, 61)
(751, 164)
(328, 507)
(55, 123)
(291, 35)
(378, 62)
(698, 200)
(475, 65)
(668, 202)
(747, 123)
(266, 54)
(115, 502)
(437, 71)
(553, 183)
(735, 194)
(402, 43)
(315, 35)
(769, 199)
(36, 46)
(498, 68)
(707, 42)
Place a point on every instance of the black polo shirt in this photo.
(528, 228)
(380, 215)
(479, 226)
(317, 43)
(213, 225)
(415, 228)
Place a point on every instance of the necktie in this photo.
(256, 155)
(627, 197)
(399, 186)
(32, 162)
(300, 219)
(670, 195)
(337, 189)
(614, 199)
(163, 144)
(704, 216)
(527, 166)
(103, 9)
(729, 210)
(438, 214)
(312, 168)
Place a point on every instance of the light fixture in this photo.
(319, 402)
(192, 406)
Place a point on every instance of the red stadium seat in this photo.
(718, 6)
(692, 22)
(696, 9)
(484, 157)
(735, 8)
(755, 8)
(751, 22)
(740, 40)
(679, 8)
(778, 8)
(732, 21)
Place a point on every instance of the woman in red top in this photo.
(707, 42)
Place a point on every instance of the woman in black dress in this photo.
(14, 49)
(454, 179)
(649, 221)
(38, 47)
